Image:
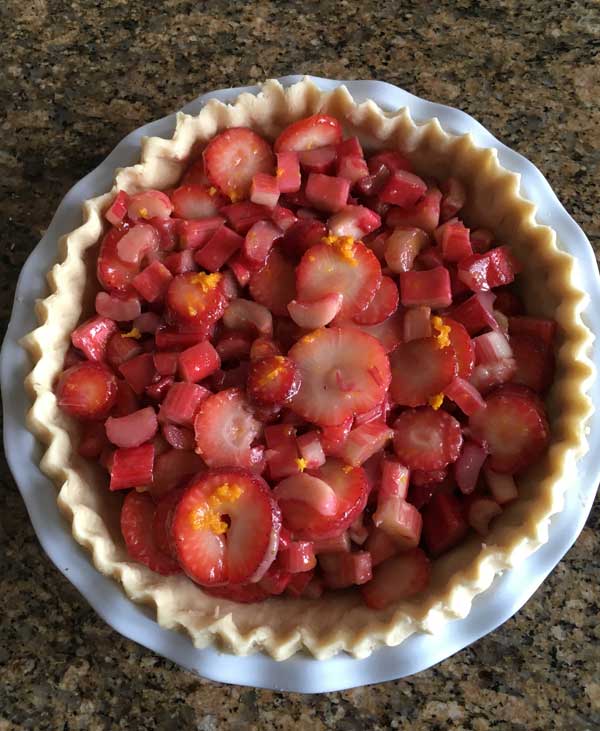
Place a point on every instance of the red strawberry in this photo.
(535, 362)
(309, 490)
(149, 204)
(342, 267)
(263, 348)
(420, 371)
(396, 579)
(389, 333)
(174, 468)
(163, 518)
(382, 306)
(536, 326)
(317, 313)
(197, 201)
(444, 524)
(463, 346)
(196, 233)
(117, 210)
(514, 427)
(342, 373)
(232, 159)
(274, 286)
(427, 439)
(302, 235)
(273, 380)
(117, 308)
(87, 391)
(114, 274)
(225, 430)
(308, 133)
(137, 518)
(196, 300)
(138, 243)
(350, 487)
(226, 528)
(168, 232)
(195, 174)
(319, 159)
(92, 440)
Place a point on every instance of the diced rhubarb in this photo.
(92, 439)
(394, 479)
(149, 204)
(430, 288)
(264, 190)
(454, 241)
(311, 450)
(403, 189)
(354, 221)
(534, 326)
(139, 372)
(243, 215)
(464, 395)
(117, 308)
(399, 519)
(127, 402)
(195, 234)
(391, 159)
(341, 570)
(381, 546)
(132, 467)
(282, 451)
(336, 544)
(120, 348)
(180, 262)
(327, 193)
(178, 437)
(198, 362)
(365, 441)
(220, 247)
(166, 363)
(475, 313)
(117, 210)
(139, 241)
(424, 215)
(421, 370)
(352, 168)
(92, 337)
(258, 242)
(302, 235)
(288, 172)
(153, 282)
(134, 429)
(172, 469)
(482, 272)
(534, 362)
(444, 524)
(502, 486)
(87, 390)
(299, 556)
(334, 437)
(417, 323)
(397, 579)
(454, 196)
(283, 218)
(182, 403)
(197, 201)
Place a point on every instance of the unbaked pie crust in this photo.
(340, 621)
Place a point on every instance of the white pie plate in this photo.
(508, 592)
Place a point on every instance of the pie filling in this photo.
(305, 372)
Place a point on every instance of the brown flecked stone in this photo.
(77, 77)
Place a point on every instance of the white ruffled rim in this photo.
(324, 627)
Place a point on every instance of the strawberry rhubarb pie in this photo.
(310, 375)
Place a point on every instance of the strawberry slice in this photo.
(420, 371)
(397, 579)
(195, 174)
(309, 490)
(133, 429)
(234, 157)
(318, 313)
(226, 528)
(318, 160)
(463, 346)
(225, 430)
(137, 518)
(87, 390)
(115, 308)
(149, 204)
(403, 189)
(343, 372)
(196, 300)
(535, 326)
(514, 427)
(389, 333)
(172, 469)
(340, 266)
(273, 380)
(168, 232)
(350, 487)
(197, 201)
(309, 133)
(535, 362)
(424, 215)
(274, 286)
(444, 524)
(263, 348)
(427, 439)
(382, 306)
(114, 274)
(163, 518)
(92, 336)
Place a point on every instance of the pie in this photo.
(310, 375)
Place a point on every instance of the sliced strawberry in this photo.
(226, 528)
(288, 172)
(514, 427)
(326, 193)
(534, 326)
(377, 413)
(263, 348)
(444, 524)
(364, 441)
(430, 287)
(334, 437)
(243, 215)
(350, 487)
(195, 174)
(319, 159)
(274, 286)
(382, 306)
(341, 570)
(389, 333)
(354, 221)
(309, 490)
(178, 437)
(225, 430)
(403, 189)
(168, 232)
(166, 363)
(134, 429)
(427, 439)
(92, 337)
(196, 233)
(465, 396)
(87, 390)
(424, 215)
(234, 346)
(117, 210)
(508, 302)
(463, 346)
(454, 197)
(302, 235)
(309, 133)
(196, 299)
(343, 267)
(258, 242)
(402, 246)
(163, 517)
(132, 467)
(114, 274)
(282, 453)
(115, 308)
(273, 380)
(234, 157)
(149, 204)
(317, 313)
(397, 579)
(137, 519)
(197, 201)
(173, 469)
(342, 373)
(182, 403)
(420, 371)
(468, 466)
(535, 362)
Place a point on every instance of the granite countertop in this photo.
(80, 74)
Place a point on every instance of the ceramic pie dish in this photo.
(462, 575)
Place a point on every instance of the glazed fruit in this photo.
(304, 371)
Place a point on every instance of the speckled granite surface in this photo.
(76, 77)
